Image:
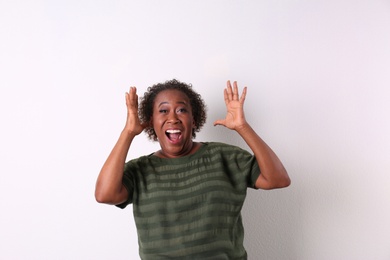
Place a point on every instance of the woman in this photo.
(187, 197)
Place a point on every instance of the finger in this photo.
(133, 96)
(132, 99)
(229, 90)
(235, 91)
(133, 91)
(243, 95)
(127, 98)
(226, 96)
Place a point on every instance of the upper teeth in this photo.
(173, 131)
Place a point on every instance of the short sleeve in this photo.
(241, 163)
(128, 183)
(254, 173)
(248, 165)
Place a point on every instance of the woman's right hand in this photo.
(133, 124)
(109, 187)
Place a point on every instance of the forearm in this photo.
(109, 188)
(273, 174)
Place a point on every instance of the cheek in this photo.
(189, 121)
(155, 122)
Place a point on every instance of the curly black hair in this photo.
(147, 101)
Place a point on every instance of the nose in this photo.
(173, 118)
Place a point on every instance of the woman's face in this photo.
(173, 122)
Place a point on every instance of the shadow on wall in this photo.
(271, 225)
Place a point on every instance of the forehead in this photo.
(171, 96)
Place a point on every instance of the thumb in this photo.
(220, 122)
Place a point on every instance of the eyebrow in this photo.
(166, 102)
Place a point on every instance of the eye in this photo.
(163, 111)
(182, 110)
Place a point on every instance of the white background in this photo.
(318, 77)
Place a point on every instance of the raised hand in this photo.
(235, 118)
(133, 124)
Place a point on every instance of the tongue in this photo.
(174, 137)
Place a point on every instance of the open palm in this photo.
(133, 123)
(235, 117)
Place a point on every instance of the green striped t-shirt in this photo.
(190, 207)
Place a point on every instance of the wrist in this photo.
(244, 127)
(128, 133)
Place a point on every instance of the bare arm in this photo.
(273, 174)
(109, 188)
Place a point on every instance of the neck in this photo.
(194, 146)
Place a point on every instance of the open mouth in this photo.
(173, 134)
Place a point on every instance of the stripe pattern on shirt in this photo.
(190, 207)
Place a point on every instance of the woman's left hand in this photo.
(235, 118)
